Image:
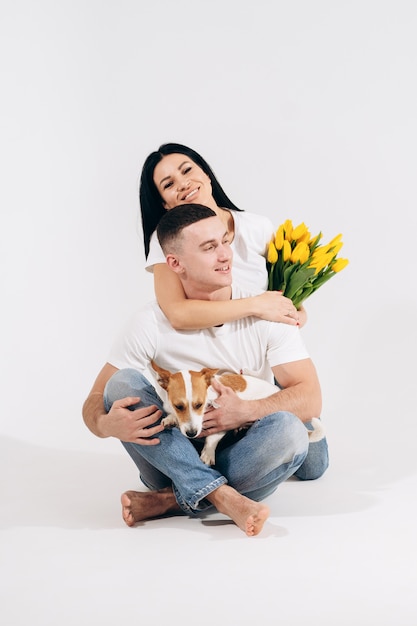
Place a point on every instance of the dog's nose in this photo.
(191, 433)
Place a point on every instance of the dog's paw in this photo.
(169, 421)
(207, 457)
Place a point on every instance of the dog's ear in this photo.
(208, 374)
(163, 375)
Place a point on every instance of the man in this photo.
(124, 404)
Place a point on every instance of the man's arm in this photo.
(120, 421)
(93, 409)
(300, 389)
(300, 394)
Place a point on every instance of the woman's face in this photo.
(180, 181)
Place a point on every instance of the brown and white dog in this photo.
(188, 394)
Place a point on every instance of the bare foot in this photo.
(142, 505)
(249, 515)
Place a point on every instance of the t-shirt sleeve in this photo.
(135, 345)
(264, 230)
(256, 230)
(285, 344)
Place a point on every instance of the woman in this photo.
(176, 174)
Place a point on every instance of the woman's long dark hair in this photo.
(151, 205)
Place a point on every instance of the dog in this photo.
(188, 394)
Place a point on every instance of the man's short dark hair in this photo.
(175, 220)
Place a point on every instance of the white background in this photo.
(305, 110)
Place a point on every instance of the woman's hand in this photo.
(302, 316)
(275, 307)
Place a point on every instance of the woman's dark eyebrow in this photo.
(179, 168)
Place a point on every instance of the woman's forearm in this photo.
(185, 314)
(196, 314)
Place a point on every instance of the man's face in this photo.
(204, 263)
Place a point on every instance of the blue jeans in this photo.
(316, 461)
(255, 463)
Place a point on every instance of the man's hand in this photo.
(229, 411)
(132, 426)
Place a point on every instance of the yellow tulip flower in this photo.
(306, 237)
(279, 238)
(288, 228)
(299, 231)
(272, 256)
(318, 252)
(335, 240)
(321, 262)
(335, 248)
(300, 253)
(339, 265)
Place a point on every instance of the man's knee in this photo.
(315, 463)
(125, 382)
(297, 439)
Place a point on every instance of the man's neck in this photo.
(222, 294)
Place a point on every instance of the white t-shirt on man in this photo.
(250, 345)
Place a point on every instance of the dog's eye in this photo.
(179, 407)
(198, 405)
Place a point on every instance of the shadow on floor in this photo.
(69, 489)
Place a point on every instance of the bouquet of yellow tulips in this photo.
(298, 265)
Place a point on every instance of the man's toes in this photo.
(128, 517)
